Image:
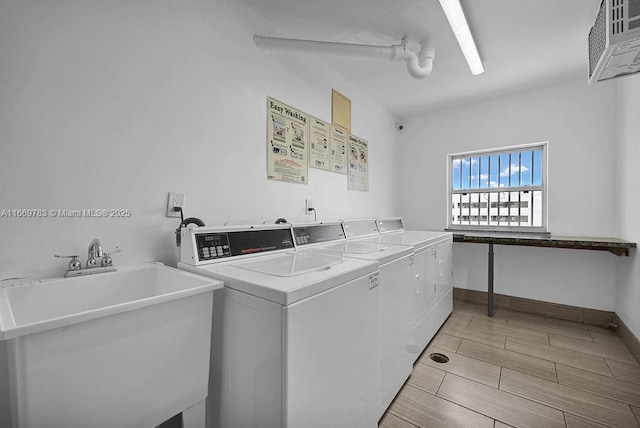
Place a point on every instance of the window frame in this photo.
(543, 187)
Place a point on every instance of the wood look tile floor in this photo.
(519, 370)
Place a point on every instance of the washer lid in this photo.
(368, 250)
(416, 238)
(289, 264)
(302, 277)
(357, 247)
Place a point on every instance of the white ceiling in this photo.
(523, 44)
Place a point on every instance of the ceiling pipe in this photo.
(419, 65)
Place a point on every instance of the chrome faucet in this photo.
(95, 250)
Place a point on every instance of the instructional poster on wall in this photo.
(339, 144)
(320, 136)
(358, 164)
(287, 143)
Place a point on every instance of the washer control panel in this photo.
(217, 245)
(389, 224)
(212, 246)
(357, 228)
(312, 234)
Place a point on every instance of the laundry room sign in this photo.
(297, 141)
(287, 143)
(339, 147)
(319, 153)
(358, 164)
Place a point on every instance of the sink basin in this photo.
(60, 302)
(119, 349)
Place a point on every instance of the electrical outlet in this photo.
(308, 206)
(175, 200)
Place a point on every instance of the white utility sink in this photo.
(120, 349)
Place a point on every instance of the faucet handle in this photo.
(106, 259)
(74, 263)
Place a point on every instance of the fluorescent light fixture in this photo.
(460, 27)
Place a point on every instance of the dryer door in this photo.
(424, 284)
(444, 255)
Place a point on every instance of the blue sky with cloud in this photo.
(514, 169)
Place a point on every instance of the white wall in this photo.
(112, 104)
(578, 122)
(628, 132)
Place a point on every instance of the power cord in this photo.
(181, 217)
(184, 223)
(315, 216)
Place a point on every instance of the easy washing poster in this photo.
(297, 141)
(287, 143)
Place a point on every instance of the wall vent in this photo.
(614, 40)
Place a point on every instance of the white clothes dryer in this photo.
(433, 299)
(395, 358)
(294, 334)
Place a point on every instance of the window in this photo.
(499, 189)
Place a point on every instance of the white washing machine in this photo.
(433, 299)
(395, 358)
(294, 334)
